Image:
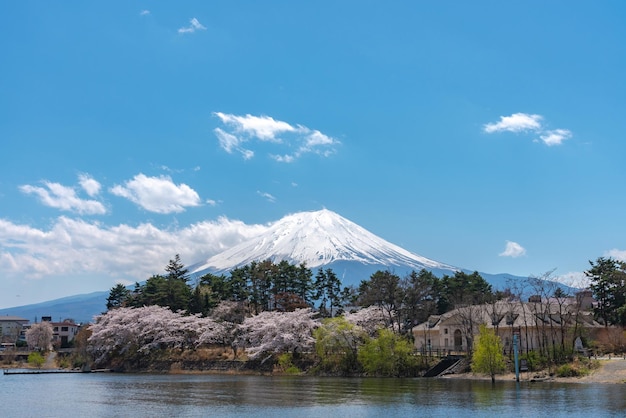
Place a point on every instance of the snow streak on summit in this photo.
(319, 238)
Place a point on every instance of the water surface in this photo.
(146, 395)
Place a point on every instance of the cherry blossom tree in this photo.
(370, 319)
(214, 332)
(230, 311)
(39, 336)
(131, 333)
(272, 332)
(126, 331)
(224, 325)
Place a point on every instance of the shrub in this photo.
(36, 359)
(569, 370)
(64, 362)
(578, 368)
(285, 363)
(387, 355)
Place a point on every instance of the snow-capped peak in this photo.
(317, 238)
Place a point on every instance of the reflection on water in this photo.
(143, 395)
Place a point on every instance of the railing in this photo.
(441, 351)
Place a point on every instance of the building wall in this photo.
(10, 329)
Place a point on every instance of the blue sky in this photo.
(487, 135)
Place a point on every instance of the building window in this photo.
(64, 329)
(56, 329)
(445, 330)
(445, 342)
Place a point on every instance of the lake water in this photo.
(144, 395)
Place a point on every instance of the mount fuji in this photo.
(321, 239)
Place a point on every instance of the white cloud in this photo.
(555, 137)
(517, 122)
(194, 25)
(57, 196)
(513, 249)
(89, 184)
(264, 128)
(316, 138)
(619, 255)
(157, 194)
(144, 12)
(293, 141)
(267, 196)
(77, 247)
(524, 122)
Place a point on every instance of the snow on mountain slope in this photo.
(318, 238)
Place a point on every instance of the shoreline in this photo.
(611, 371)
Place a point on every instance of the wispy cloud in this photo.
(266, 196)
(575, 279)
(524, 122)
(158, 194)
(513, 249)
(555, 137)
(55, 195)
(231, 143)
(77, 247)
(194, 25)
(293, 140)
(144, 12)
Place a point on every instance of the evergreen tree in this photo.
(200, 301)
(118, 296)
(420, 297)
(462, 289)
(238, 284)
(303, 283)
(384, 290)
(176, 270)
(608, 284)
(219, 288)
(328, 290)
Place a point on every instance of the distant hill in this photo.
(81, 308)
(321, 239)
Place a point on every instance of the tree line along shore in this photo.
(271, 317)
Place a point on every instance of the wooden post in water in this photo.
(515, 340)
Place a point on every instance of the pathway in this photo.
(50, 361)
